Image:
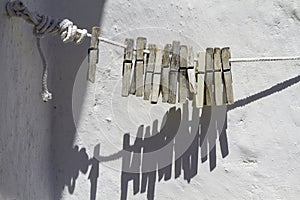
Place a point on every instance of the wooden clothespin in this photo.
(156, 76)
(191, 70)
(165, 73)
(183, 92)
(226, 55)
(127, 66)
(198, 100)
(149, 71)
(138, 78)
(219, 87)
(174, 72)
(209, 77)
(93, 54)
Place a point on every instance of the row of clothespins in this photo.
(176, 75)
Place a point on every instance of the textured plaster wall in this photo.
(262, 126)
(36, 142)
(46, 154)
(25, 130)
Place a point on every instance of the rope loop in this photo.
(43, 25)
(71, 33)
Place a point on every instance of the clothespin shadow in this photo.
(79, 161)
(177, 142)
(94, 172)
(143, 167)
(205, 134)
(176, 132)
(213, 125)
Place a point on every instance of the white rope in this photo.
(102, 39)
(46, 95)
(71, 33)
(263, 59)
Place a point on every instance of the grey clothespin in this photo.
(198, 100)
(173, 76)
(226, 67)
(93, 54)
(127, 66)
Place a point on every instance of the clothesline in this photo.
(263, 59)
(69, 32)
(232, 60)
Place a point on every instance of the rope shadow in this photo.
(277, 88)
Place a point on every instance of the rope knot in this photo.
(71, 33)
(45, 25)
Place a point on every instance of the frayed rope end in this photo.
(46, 96)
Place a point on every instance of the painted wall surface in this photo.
(25, 130)
(76, 147)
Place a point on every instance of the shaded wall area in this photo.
(36, 139)
(24, 118)
(67, 159)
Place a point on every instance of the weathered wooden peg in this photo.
(209, 77)
(137, 84)
(149, 71)
(93, 54)
(183, 92)
(165, 73)
(226, 55)
(127, 67)
(219, 87)
(173, 77)
(157, 76)
(198, 100)
(191, 70)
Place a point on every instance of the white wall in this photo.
(263, 125)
